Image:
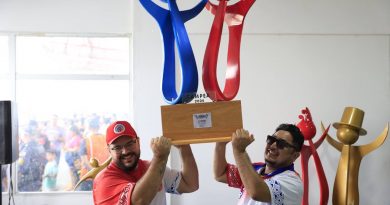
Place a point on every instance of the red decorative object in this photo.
(233, 16)
(308, 130)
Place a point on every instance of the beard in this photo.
(269, 162)
(128, 166)
(269, 158)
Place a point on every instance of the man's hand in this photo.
(161, 147)
(241, 139)
(150, 182)
(255, 186)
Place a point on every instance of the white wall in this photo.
(324, 55)
(70, 16)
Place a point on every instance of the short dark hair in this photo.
(295, 132)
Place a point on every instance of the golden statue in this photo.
(345, 189)
(96, 168)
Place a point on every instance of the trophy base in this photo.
(201, 122)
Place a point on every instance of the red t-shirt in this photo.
(113, 186)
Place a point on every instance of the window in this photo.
(5, 80)
(73, 55)
(5, 94)
(4, 55)
(68, 89)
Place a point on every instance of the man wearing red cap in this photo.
(129, 180)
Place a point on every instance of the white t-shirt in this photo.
(171, 181)
(286, 188)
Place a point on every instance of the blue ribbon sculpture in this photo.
(171, 23)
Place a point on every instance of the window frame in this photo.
(59, 197)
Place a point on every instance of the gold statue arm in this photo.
(94, 171)
(331, 141)
(365, 149)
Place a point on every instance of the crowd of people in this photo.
(55, 153)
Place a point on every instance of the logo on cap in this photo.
(119, 128)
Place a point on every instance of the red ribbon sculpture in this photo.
(308, 130)
(233, 16)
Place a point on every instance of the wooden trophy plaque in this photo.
(201, 122)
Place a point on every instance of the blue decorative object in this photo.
(171, 23)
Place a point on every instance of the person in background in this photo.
(93, 145)
(76, 172)
(72, 147)
(55, 134)
(272, 182)
(50, 173)
(131, 180)
(31, 163)
(4, 179)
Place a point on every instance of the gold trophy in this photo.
(345, 189)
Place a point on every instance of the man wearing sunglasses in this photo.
(272, 182)
(130, 180)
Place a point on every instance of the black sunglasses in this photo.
(280, 144)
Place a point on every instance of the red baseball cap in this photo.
(118, 129)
